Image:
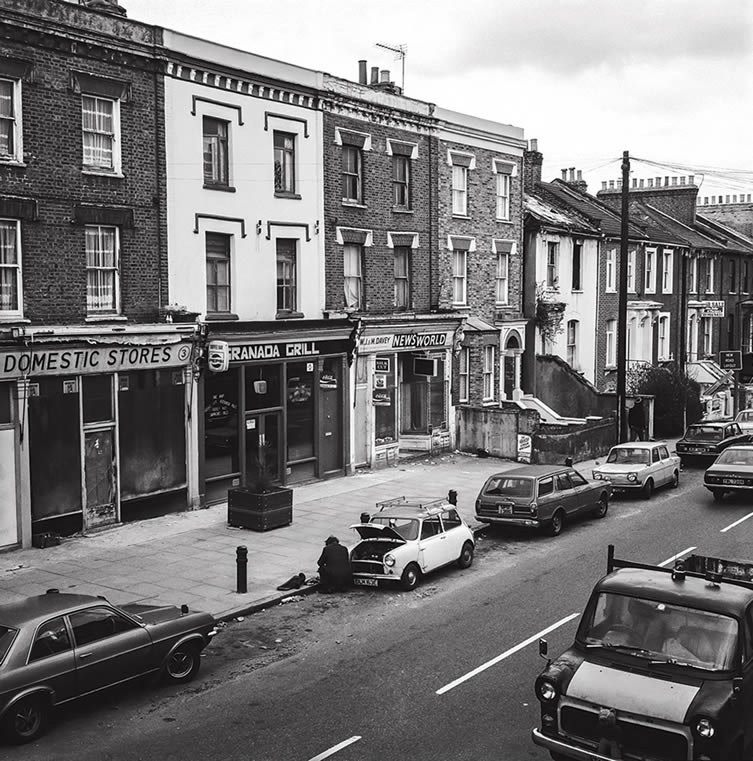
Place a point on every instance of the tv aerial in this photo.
(399, 51)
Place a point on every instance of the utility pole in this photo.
(622, 303)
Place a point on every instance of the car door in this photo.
(455, 535)
(657, 469)
(546, 496)
(584, 493)
(668, 465)
(566, 494)
(109, 648)
(51, 660)
(432, 544)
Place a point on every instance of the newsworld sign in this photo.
(91, 359)
(398, 341)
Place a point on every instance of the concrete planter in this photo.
(260, 511)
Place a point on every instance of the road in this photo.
(444, 673)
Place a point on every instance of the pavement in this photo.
(190, 557)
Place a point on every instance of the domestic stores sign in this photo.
(400, 341)
(66, 360)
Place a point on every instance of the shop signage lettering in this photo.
(404, 341)
(273, 351)
(381, 398)
(91, 360)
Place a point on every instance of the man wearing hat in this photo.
(334, 567)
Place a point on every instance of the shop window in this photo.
(152, 431)
(221, 424)
(97, 396)
(300, 409)
(422, 398)
(385, 426)
(5, 408)
(262, 386)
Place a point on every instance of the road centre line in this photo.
(678, 555)
(737, 522)
(335, 748)
(506, 654)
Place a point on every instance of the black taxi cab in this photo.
(661, 668)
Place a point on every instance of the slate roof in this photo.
(679, 232)
(559, 218)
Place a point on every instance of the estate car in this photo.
(540, 496)
(732, 471)
(407, 539)
(58, 647)
(640, 466)
(704, 440)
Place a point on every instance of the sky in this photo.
(669, 81)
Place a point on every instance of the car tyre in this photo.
(410, 578)
(675, 482)
(602, 507)
(182, 664)
(648, 488)
(718, 494)
(26, 720)
(466, 555)
(556, 524)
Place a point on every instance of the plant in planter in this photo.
(549, 314)
(262, 503)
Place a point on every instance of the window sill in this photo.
(285, 194)
(93, 172)
(576, 290)
(354, 204)
(220, 316)
(402, 210)
(505, 221)
(105, 317)
(7, 161)
(610, 367)
(7, 317)
(217, 186)
(289, 315)
(460, 216)
(488, 403)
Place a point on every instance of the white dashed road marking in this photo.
(737, 522)
(336, 748)
(678, 555)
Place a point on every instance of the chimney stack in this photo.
(385, 76)
(532, 161)
(374, 75)
(362, 72)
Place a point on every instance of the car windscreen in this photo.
(7, 635)
(704, 433)
(509, 486)
(746, 416)
(734, 456)
(661, 631)
(633, 455)
(406, 527)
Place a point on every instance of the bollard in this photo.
(452, 497)
(241, 563)
(568, 462)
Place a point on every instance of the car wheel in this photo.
(182, 664)
(466, 555)
(718, 494)
(556, 524)
(675, 482)
(409, 579)
(602, 507)
(648, 488)
(26, 720)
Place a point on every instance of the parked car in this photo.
(56, 647)
(540, 496)
(744, 419)
(407, 539)
(640, 466)
(732, 471)
(704, 440)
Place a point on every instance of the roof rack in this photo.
(715, 570)
(419, 504)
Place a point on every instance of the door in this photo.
(8, 506)
(566, 494)
(330, 417)
(262, 461)
(101, 501)
(434, 550)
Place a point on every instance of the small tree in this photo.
(549, 314)
(672, 391)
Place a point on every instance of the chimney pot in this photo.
(635, 182)
(666, 182)
(579, 175)
(564, 174)
(572, 174)
(534, 144)
(374, 75)
(603, 184)
(726, 199)
(362, 71)
(674, 181)
(385, 76)
(611, 184)
(691, 179)
(640, 183)
(734, 199)
(682, 180)
(650, 182)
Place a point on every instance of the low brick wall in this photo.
(553, 443)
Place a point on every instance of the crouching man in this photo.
(334, 567)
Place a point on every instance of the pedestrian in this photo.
(637, 421)
(334, 567)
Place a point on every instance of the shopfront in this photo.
(278, 405)
(101, 427)
(402, 386)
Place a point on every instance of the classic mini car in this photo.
(660, 669)
(58, 647)
(732, 471)
(704, 440)
(744, 419)
(639, 466)
(540, 496)
(408, 538)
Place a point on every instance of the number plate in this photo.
(366, 582)
(733, 481)
(504, 509)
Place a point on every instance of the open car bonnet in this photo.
(377, 531)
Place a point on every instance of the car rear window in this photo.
(704, 433)
(7, 635)
(509, 486)
(734, 456)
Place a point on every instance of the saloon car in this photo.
(56, 647)
(705, 440)
(408, 538)
(540, 496)
(639, 466)
(732, 471)
(744, 419)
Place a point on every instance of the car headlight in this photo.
(389, 560)
(534, 508)
(597, 475)
(547, 691)
(632, 477)
(704, 728)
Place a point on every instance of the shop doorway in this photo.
(101, 507)
(262, 461)
(330, 418)
(8, 509)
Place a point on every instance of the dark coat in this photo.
(334, 565)
(636, 418)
